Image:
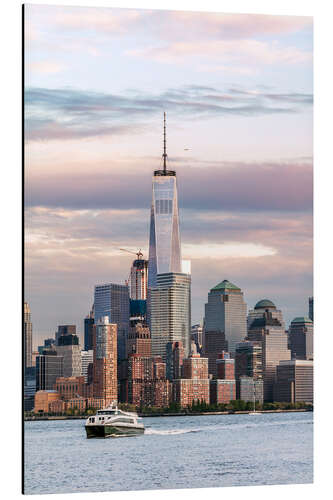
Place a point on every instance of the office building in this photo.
(259, 310)
(64, 330)
(70, 387)
(138, 312)
(48, 368)
(174, 360)
(164, 240)
(87, 358)
(250, 390)
(27, 325)
(68, 347)
(301, 338)
(274, 343)
(105, 360)
(294, 381)
(225, 312)
(139, 278)
(248, 360)
(170, 312)
(311, 308)
(88, 330)
(214, 343)
(196, 336)
(112, 300)
(43, 398)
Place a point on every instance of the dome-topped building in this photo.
(259, 310)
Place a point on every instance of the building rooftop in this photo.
(302, 319)
(225, 285)
(264, 304)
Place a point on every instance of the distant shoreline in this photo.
(180, 414)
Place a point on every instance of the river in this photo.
(175, 452)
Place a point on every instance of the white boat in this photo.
(112, 422)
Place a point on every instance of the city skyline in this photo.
(245, 197)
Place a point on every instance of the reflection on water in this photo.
(175, 452)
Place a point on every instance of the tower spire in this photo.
(164, 153)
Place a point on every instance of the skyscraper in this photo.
(311, 308)
(70, 349)
(170, 312)
(64, 330)
(274, 342)
(139, 278)
(112, 300)
(48, 368)
(259, 310)
(87, 358)
(88, 330)
(301, 338)
(225, 312)
(164, 241)
(105, 360)
(27, 337)
(294, 381)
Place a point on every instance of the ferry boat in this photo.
(112, 422)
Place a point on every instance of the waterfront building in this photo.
(147, 383)
(164, 240)
(225, 312)
(139, 278)
(88, 330)
(225, 366)
(105, 360)
(274, 343)
(259, 310)
(301, 338)
(27, 337)
(194, 384)
(174, 360)
(70, 387)
(196, 336)
(64, 330)
(311, 308)
(170, 312)
(87, 358)
(68, 347)
(112, 300)
(214, 343)
(43, 398)
(248, 360)
(49, 367)
(294, 381)
(139, 340)
(249, 390)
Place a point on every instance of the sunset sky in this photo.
(237, 90)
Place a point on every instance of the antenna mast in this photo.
(164, 154)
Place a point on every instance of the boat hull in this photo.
(103, 431)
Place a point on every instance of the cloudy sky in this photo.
(237, 90)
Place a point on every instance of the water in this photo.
(175, 452)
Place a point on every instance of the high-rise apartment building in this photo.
(170, 312)
(68, 347)
(294, 381)
(259, 310)
(27, 337)
(139, 340)
(301, 338)
(48, 368)
(105, 360)
(225, 312)
(311, 308)
(225, 366)
(274, 343)
(112, 300)
(223, 388)
(164, 240)
(88, 330)
(193, 387)
(87, 358)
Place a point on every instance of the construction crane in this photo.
(139, 254)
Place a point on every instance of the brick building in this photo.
(105, 360)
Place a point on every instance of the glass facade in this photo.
(113, 301)
(170, 304)
(164, 241)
